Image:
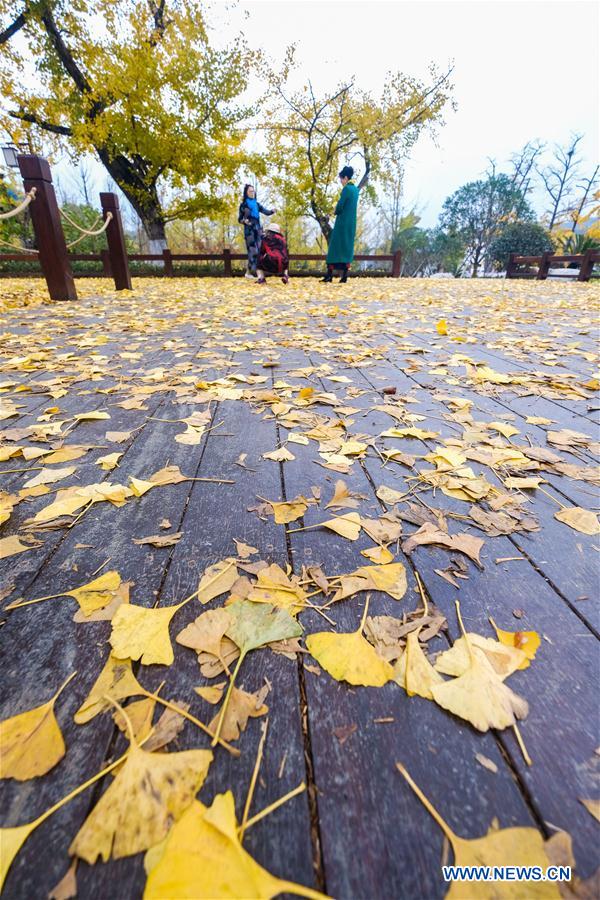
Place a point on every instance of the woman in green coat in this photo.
(341, 245)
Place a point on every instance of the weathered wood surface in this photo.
(359, 831)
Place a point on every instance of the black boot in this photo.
(344, 277)
(328, 278)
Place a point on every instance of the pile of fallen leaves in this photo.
(485, 477)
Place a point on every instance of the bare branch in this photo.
(15, 26)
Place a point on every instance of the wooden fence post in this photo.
(106, 266)
(397, 264)
(49, 236)
(227, 270)
(587, 264)
(544, 267)
(168, 260)
(510, 266)
(118, 264)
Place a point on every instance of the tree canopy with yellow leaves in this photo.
(311, 134)
(137, 83)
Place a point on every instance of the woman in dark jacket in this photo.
(340, 252)
(249, 215)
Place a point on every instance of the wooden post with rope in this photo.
(115, 237)
(49, 236)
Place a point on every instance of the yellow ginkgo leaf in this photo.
(203, 858)
(414, 672)
(523, 484)
(109, 461)
(479, 695)
(49, 476)
(342, 497)
(12, 839)
(526, 641)
(499, 847)
(94, 595)
(282, 454)
(91, 416)
(389, 577)
(7, 504)
(289, 511)
(348, 525)
(350, 657)
(504, 429)
(241, 707)
(141, 633)
(583, 520)
(139, 486)
(273, 586)
(504, 658)
(204, 634)
(217, 579)
(418, 433)
(441, 327)
(139, 714)
(66, 454)
(150, 792)
(378, 555)
(117, 681)
(31, 743)
(306, 393)
(10, 546)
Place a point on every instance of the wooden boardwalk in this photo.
(173, 349)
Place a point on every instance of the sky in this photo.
(523, 69)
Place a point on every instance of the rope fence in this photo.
(29, 196)
(85, 232)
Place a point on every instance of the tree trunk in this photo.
(142, 196)
(322, 220)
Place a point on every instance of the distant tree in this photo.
(559, 178)
(413, 242)
(524, 238)
(523, 168)
(477, 211)
(447, 252)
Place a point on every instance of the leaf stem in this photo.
(364, 615)
(423, 595)
(552, 497)
(226, 701)
(186, 715)
(78, 790)
(63, 686)
(255, 771)
(275, 805)
(452, 837)
(37, 600)
(521, 744)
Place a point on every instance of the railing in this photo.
(547, 261)
(167, 258)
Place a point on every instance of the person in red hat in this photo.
(273, 257)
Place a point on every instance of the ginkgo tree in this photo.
(138, 84)
(311, 133)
